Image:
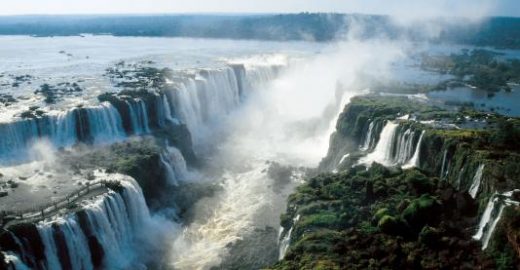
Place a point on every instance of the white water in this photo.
(404, 147)
(175, 165)
(76, 243)
(383, 151)
(343, 158)
(286, 240)
(139, 116)
(179, 164)
(415, 161)
(473, 189)
(395, 148)
(368, 138)
(492, 215)
(121, 223)
(442, 174)
(167, 109)
(276, 123)
(213, 94)
(170, 173)
(15, 261)
(51, 252)
(103, 123)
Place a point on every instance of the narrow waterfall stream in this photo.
(477, 179)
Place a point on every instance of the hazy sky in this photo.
(411, 8)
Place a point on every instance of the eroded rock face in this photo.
(513, 234)
(3, 263)
(24, 239)
(96, 250)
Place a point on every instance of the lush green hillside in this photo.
(424, 218)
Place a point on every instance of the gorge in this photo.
(180, 153)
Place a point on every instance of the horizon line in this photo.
(218, 13)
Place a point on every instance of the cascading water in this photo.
(16, 263)
(415, 161)
(212, 94)
(442, 174)
(112, 221)
(473, 189)
(343, 158)
(403, 147)
(395, 147)
(167, 109)
(97, 124)
(492, 215)
(170, 173)
(286, 240)
(368, 137)
(138, 116)
(174, 165)
(75, 254)
(383, 150)
(105, 123)
(206, 97)
(176, 158)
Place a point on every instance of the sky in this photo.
(407, 8)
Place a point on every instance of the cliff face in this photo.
(454, 144)
(467, 161)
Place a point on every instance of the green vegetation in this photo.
(480, 68)
(381, 219)
(382, 214)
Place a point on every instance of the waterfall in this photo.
(404, 147)
(492, 215)
(383, 150)
(51, 252)
(395, 147)
(111, 220)
(415, 160)
(167, 109)
(209, 95)
(473, 190)
(97, 124)
(105, 123)
(343, 158)
(196, 100)
(286, 240)
(459, 178)
(174, 165)
(15, 262)
(75, 254)
(177, 160)
(257, 76)
(62, 129)
(206, 97)
(170, 173)
(143, 116)
(368, 137)
(441, 176)
(16, 136)
(138, 116)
